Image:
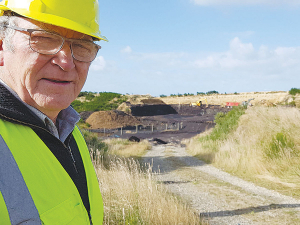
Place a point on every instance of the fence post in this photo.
(104, 130)
(152, 128)
(136, 128)
(166, 126)
(178, 126)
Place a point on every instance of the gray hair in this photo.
(6, 34)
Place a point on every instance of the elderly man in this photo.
(46, 175)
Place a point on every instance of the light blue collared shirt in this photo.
(65, 122)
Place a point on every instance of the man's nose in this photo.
(64, 58)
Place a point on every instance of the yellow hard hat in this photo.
(78, 15)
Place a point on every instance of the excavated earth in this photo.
(152, 120)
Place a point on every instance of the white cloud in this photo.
(127, 50)
(245, 2)
(240, 49)
(239, 57)
(243, 57)
(98, 64)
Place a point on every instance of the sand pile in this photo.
(111, 120)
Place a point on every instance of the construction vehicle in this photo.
(199, 102)
(247, 103)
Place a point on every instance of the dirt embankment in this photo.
(260, 98)
(111, 120)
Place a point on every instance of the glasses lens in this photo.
(45, 42)
(84, 51)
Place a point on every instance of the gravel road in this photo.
(218, 197)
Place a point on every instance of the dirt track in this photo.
(220, 198)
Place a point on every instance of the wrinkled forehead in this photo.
(33, 24)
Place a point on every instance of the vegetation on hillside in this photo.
(261, 145)
(191, 94)
(98, 102)
(294, 91)
(210, 142)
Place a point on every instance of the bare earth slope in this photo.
(260, 98)
(218, 197)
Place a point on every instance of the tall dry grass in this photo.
(265, 147)
(132, 196)
(125, 148)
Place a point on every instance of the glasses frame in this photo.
(30, 31)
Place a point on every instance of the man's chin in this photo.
(53, 106)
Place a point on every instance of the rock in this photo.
(134, 139)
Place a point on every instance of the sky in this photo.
(161, 47)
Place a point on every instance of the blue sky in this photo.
(188, 46)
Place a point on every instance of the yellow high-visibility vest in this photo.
(35, 187)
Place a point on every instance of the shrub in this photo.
(294, 91)
(225, 123)
(105, 101)
(212, 92)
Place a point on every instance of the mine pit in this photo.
(169, 123)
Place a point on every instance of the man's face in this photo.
(47, 82)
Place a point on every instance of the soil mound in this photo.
(111, 120)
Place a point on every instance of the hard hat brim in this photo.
(57, 21)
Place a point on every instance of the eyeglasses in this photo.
(47, 43)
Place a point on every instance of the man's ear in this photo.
(1, 53)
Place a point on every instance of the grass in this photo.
(131, 195)
(211, 140)
(264, 147)
(128, 149)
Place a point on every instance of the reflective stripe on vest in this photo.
(19, 203)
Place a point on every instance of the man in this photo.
(46, 175)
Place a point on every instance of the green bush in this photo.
(86, 93)
(225, 123)
(89, 96)
(294, 91)
(212, 92)
(105, 101)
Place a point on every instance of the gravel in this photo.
(216, 196)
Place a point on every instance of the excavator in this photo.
(199, 102)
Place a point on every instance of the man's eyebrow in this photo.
(83, 36)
